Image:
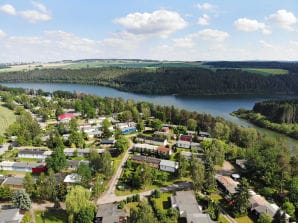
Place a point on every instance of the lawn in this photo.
(7, 117)
(51, 216)
(216, 198)
(244, 219)
(265, 71)
(222, 219)
(34, 160)
(164, 202)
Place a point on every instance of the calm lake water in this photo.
(214, 105)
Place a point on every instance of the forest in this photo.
(164, 80)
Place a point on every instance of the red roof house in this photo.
(66, 116)
(185, 138)
(164, 150)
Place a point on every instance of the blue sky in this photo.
(52, 30)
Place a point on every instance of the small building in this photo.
(74, 164)
(165, 129)
(107, 142)
(164, 151)
(204, 134)
(151, 161)
(66, 117)
(188, 207)
(152, 140)
(164, 134)
(128, 130)
(71, 152)
(73, 178)
(23, 166)
(227, 184)
(189, 155)
(196, 146)
(183, 144)
(33, 154)
(142, 147)
(10, 216)
(168, 166)
(187, 138)
(110, 213)
(13, 182)
(241, 163)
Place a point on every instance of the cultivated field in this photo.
(266, 71)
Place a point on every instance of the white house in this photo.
(183, 144)
(34, 154)
(73, 178)
(80, 152)
(141, 147)
(168, 166)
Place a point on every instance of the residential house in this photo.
(164, 134)
(142, 147)
(183, 144)
(189, 155)
(71, 152)
(110, 213)
(128, 130)
(74, 164)
(34, 154)
(203, 135)
(153, 162)
(13, 182)
(152, 140)
(187, 138)
(168, 166)
(66, 117)
(188, 207)
(110, 142)
(23, 166)
(10, 216)
(164, 151)
(226, 183)
(241, 163)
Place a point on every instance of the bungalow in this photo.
(189, 155)
(152, 140)
(165, 129)
(108, 213)
(70, 152)
(128, 130)
(183, 144)
(10, 216)
(107, 141)
(74, 164)
(187, 138)
(73, 178)
(168, 166)
(144, 148)
(66, 117)
(13, 182)
(227, 183)
(164, 151)
(187, 205)
(23, 166)
(153, 162)
(195, 145)
(164, 134)
(203, 135)
(34, 154)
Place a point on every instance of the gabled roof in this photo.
(110, 213)
(163, 149)
(169, 163)
(65, 116)
(17, 181)
(228, 183)
(187, 138)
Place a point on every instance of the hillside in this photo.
(164, 80)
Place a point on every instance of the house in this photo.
(259, 205)
(188, 207)
(227, 183)
(165, 129)
(241, 163)
(187, 138)
(204, 134)
(10, 215)
(196, 146)
(23, 166)
(128, 130)
(164, 134)
(142, 147)
(152, 162)
(107, 141)
(74, 164)
(110, 213)
(152, 140)
(73, 178)
(34, 154)
(70, 152)
(66, 117)
(168, 166)
(189, 155)
(164, 151)
(183, 144)
(13, 182)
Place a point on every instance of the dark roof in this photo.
(33, 152)
(110, 213)
(18, 181)
(27, 165)
(185, 138)
(151, 138)
(107, 141)
(146, 159)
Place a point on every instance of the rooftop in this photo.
(18, 181)
(110, 213)
(229, 184)
(10, 216)
(168, 163)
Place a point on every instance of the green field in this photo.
(7, 117)
(164, 202)
(51, 216)
(266, 71)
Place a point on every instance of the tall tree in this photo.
(21, 200)
(143, 213)
(57, 160)
(241, 198)
(197, 174)
(29, 185)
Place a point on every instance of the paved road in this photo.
(4, 148)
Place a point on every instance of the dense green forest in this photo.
(183, 81)
(277, 115)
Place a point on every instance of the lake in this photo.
(215, 105)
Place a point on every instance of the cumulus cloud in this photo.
(40, 14)
(213, 35)
(8, 9)
(204, 20)
(2, 34)
(206, 6)
(162, 22)
(284, 19)
(251, 25)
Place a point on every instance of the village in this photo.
(178, 173)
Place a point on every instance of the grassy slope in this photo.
(265, 71)
(7, 117)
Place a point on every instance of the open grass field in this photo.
(244, 219)
(51, 216)
(266, 71)
(164, 202)
(7, 117)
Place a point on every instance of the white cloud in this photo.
(41, 14)
(185, 42)
(162, 22)
(8, 9)
(251, 25)
(204, 20)
(206, 6)
(265, 44)
(284, 19)
(2, 34)
(213, 35)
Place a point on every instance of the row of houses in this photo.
(23, 166)
(161, 164)
(152, 140)
(258, 204)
